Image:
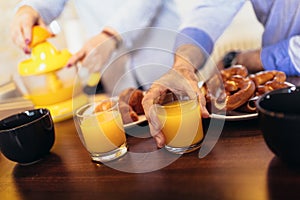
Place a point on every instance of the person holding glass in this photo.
(203, 26)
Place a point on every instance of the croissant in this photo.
(133, 97)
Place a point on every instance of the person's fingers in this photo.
(151, 95)
(148, 104)
(27, 33)
(157, 135)
(202, 101)
(27, 38)
(93, 61)
(160, 140)
(18, 39)
(21, 27)
(220, 65)
(17, 35)
(195, 89)
(204, 111)
(75, 58)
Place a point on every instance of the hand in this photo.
(228, 60)
(250, 59)
(177, 79)
(95, 52)
(21, 27)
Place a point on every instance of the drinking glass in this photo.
(181, 122)
(101, 131)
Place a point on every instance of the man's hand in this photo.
(250, 59)
(176, 80)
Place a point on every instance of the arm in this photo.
(200, 30)
(48, 10)
(283, 56)
(204, 24)
(132, 15)
(30, 13)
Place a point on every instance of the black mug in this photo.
(28, 136)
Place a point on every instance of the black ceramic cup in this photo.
(279, 115)
(28, 136)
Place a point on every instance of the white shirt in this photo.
(129, 18)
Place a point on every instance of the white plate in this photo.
(236, 116)
(142, 118)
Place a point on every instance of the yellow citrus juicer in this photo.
(48, 82)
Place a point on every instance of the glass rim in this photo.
(182, 102)
(45, 113)
(95, 103)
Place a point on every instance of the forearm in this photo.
(48, 10)
(211, 17)
(189, 57)
(201, 27)
(283, 56)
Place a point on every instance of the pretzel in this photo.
(266, 81)
(234, 70)
(238, 88)
(243, 91)
(260, 78)
(269, 86)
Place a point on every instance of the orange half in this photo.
(39, 34)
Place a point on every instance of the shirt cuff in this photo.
(195, 37)
(276, 57)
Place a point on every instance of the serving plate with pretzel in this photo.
(242, 90)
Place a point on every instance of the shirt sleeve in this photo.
(204, 24)
(48, 9)
(283, 56)
(134, 14)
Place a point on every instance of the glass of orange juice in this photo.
(100, 128)
(181, 122)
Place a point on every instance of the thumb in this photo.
(155, 128)
(157, 135)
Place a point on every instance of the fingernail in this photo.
(159, 142)
(26, 50)
(69, 65)
(27, 41)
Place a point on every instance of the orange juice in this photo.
(181, 123)
(54, 91)
(48, 97)
(103, 132)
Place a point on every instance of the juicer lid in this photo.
(44, 58)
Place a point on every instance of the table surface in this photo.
(240, 166)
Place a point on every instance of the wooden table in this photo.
(240, 166)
